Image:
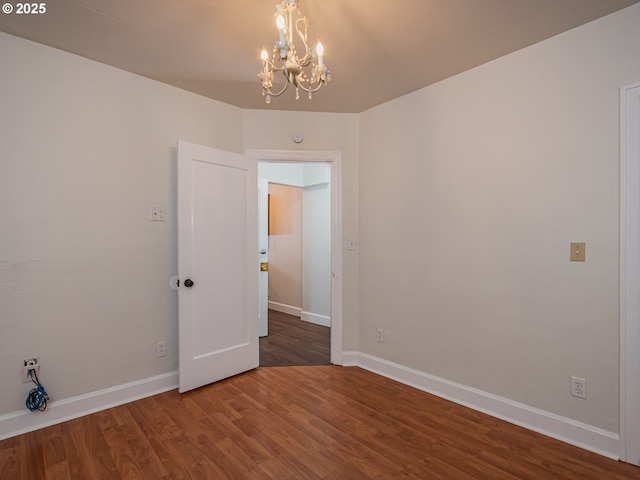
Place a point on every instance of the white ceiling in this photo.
(376, 50)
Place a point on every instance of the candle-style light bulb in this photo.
(320, 52)
(264, 55)
(280, 23)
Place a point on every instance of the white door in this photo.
(217, 265)
(263, 251)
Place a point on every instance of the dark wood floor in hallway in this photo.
(292, 341)
(297, 423)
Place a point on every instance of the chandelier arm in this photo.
(274, 67)
(309, 90)
(306, 60)
(303, 37)
(280, 92)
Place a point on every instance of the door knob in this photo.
(263, 251)
(188, 283)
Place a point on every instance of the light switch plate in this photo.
(578, 252)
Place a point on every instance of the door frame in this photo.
(335, 159)
(629, 276)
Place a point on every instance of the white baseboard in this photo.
(561, 428)
(565, 429)
(288, 309)
(20, 422)
(315, 318)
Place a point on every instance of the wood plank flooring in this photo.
(292, 341)
(307, 423)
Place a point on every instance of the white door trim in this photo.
(335, 159)
(630, 274)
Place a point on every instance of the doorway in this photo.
(298, 240)
(334, 270)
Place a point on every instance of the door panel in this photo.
(217, 250)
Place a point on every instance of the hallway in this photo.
(292, 341)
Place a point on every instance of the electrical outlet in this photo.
(578, 387)
(380, 335)
(28, 365)
(161, 349)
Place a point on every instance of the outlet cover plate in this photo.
(578, 387)
(161, 349)
(25, 372)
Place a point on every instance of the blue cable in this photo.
(37, 397)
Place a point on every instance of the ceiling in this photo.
(376, 50)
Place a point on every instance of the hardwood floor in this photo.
(281, 423)
(292, 341)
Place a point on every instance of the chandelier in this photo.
(305, 69)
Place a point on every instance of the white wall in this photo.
(85, 151)
(316, 253)
(471, 191)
